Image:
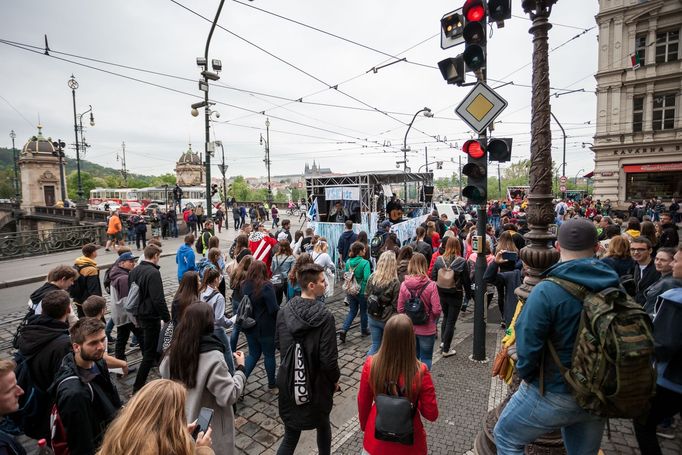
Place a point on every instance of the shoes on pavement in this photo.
(451, 352)
(441, 345)
(365, 333)
(345, 301)
(503, 325)
(342, 336)
(666, 432)
(272, 386)
(107, 249)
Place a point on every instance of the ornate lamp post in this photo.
(73, 85)
(59, 152)
(17, 196)
(266, 141)
(427, 113)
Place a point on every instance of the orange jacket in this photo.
(114, 226)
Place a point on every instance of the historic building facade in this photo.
(189, 171)
(40, 174)
(638, 140)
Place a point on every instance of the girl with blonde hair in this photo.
(394, 370)
(618, 256)
(236, 280)
(418, 285)
(154, 423)
(322, 258)
(382, 297)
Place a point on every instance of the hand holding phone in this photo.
(203, 422)
(510, 256)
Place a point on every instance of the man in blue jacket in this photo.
(551, 314)
(185, 258)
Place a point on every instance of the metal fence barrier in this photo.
(43, 241)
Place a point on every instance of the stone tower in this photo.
(40, 172)
(188, 170)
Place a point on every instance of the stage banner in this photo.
(342, 193)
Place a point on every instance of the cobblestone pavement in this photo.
(464, 389)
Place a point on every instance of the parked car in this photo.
(102, 205)
(134, 208)
(158, 205)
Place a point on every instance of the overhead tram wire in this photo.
(142, 81)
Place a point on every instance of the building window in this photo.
(640, 48)
(637, 113)
(667, 44)
(664, 112)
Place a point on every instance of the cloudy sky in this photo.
(135, 63)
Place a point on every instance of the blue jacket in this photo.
(668, 339)
(551, 313)
(185, 259)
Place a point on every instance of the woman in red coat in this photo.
(395, 363)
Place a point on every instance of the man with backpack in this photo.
(86, 398)
(206, 234)
(346, 240)
(61, 277)
(87, 283)
(547, 329)
(309, 371)
(118, 290)
(42, 344)
(151, 309)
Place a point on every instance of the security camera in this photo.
(217, 114)
(195, 112)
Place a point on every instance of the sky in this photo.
(269, 63)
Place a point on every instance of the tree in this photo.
(88, 182)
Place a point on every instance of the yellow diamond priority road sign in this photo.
(480, 107)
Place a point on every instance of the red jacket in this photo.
(261, 246)
(427, 406)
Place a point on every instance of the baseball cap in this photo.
(282, 236)
(577, 234)
(127, 257)
(386, 224)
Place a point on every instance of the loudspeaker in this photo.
(427, 193)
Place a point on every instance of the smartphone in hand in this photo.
(203, 422)
(510, 256)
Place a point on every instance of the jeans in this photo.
(220, 333)
(150, 333)
(376, 329)
(291, 437)
(425, 349)
(234, 338)
(258, 346)
(495, 221)
(108, 328)
(529, 415)
(356, 302)
(122, 335)
(130, 237)
(237, 223)
(173, 229)
(451, 303)
(141, 237)
(665, 404)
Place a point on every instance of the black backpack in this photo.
(35, 404)
(293, 378)
(107, 281)
(394, 420)
(415, 308)
(376, 244)
(245, 319)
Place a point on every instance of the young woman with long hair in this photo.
(394, 370)
(418, 284)
(382, 297)
(154, 423)
(404, 256)
(294, 288)
(187, 294)
(281, 266)
(648, 230)
(236, 280)
(451, 294)
(210, 293)
(618, 256)
(241, 247)
(321, 257)
(215, 258)
(261, 338)
(432, 235)
(357, 264)
(195, 358)
(362, 238)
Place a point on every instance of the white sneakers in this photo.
(451, 352)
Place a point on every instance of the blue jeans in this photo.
(356, 302)
(234, 338)
(529, 415)
(258, 346)
(220, 333)
(425, 349)
(376, 329)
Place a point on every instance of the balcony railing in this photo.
(44, 241)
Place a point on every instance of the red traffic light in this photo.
(473, 10)
(474, 149)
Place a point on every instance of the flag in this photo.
(634, 59)
(312, 211)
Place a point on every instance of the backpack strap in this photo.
(576, 290)
(213, 294)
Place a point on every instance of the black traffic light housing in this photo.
(453, 70)
(500, 149)
(476, 171)
(451, 28)
(499, 11)
(474, 34)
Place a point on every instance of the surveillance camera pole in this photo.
(207, 115)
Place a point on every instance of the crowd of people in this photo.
(273, 286)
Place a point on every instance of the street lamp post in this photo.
(576, 176)
(84, 145)
(17, 197)
(563, 161)
(59, 146)
(427, 113)
(266, 142)
(223, 168)
(73, 85)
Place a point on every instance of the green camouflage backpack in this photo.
(612, 371)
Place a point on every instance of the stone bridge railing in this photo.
(91, 216)
(43, 241)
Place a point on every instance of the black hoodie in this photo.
(47, 341)
(38, 295)
(309, 321)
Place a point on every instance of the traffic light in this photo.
(476, 171)
(452, 70)
(500, 149)
(214, 189)
(451, 28)
(474, 34)
(498, 11)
